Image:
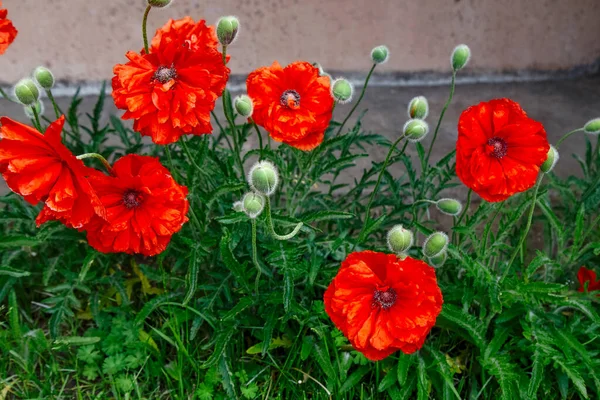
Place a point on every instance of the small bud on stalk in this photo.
(159, 3)
(27, 92)
(399, 239)
(439, 260)
(449, 206)
(460, 56)
(415, 130)
(253, 204)
(380, 54)
(227, 29)
(592, 126)
(243, 105)
(342, 90)
(435, 244)
(238, 206)
(44, 77)
(39, 108)
(551, 160)
(263, 177)
(418, 108)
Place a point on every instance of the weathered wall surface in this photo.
(82, 39)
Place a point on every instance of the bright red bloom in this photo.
(171, 91)
(293, 104)
(383, 304)
(499, 149)
(8, 32)
(587, 275)
(40, 168)
(144, 207)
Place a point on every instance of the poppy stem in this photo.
(97, 157)
(255, 256)
(3, 94)
(271, 227)
(362, 93)
(260, 142)
(224, 55)
(187, 152)
(464, 212)
(57, 110)
(567, 135)
(437, 128)
(36, 119)
(144, 29)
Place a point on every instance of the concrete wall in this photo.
(82, 39)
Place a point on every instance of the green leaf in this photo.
(574, 376)
(244, 303)
(11, 241)
(192, 276)
(354, 378)
(388, 380)
(151, 306)
(325, 216)
(13, 315)
(230, 261)
(459, 318)
(227, 378)
(537, 374)
(324, 361)
(77, 340)
(15, 273)
(288, 289)
(223, 338)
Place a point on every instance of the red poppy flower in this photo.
(587, 275)
(383, 304)
(499, 149)
(8, 32)
(144, 207)
(171, 91)
(40, 168)
(293, 104)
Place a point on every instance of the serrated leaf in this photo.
(15, 273)
(326, 215)
(151, 306)
(354, 378)
(192, 276)
(323, 359)
(244, 303)
(223, 338)
(77, 340)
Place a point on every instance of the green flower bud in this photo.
(238, 206)
(460, 56)
(253, 204)
(263, 177)
(227, 29)
(159, 3)
(44, 77)
(592, 126)
(418, 108)
(39, 107)
(435, 244)
(449, 206)
(380, 54)
(342, 90)
(551, 160)
(415, 130)
(399, 239)
(438, 260)
(27, 92)
(243, 105)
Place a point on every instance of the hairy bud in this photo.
(399, 239)
(380, 54)
(227, 29)
(592, 126)
(253, 204)
(238, 206)
(460, 56)
(435, 244)
(342, 90)
(159, 3)
(439, 260)
(418, 108)
(415, 130)
(263, 177)
(551, 160)
(27, 92)
(39, 108)
(44, 77)
(243, 105)
(449, 206)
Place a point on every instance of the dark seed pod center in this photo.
(384, 299)
(290, 99)
(132, 198)
(497, 147)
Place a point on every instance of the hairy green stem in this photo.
(36, 118)
(3, 94)
(260, 142)
(362, 93)
(97, 157)
(57, 110)
(269, 220)
(567, 135)
(231, 123)
(464, 212)
(437, 128)
(255, 256)
(186, 149)
(144, 28)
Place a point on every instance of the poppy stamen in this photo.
(497, 147)
(290, 99)
(132, 198)
(384, 299)
(164, 74)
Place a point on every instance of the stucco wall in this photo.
(82, 39)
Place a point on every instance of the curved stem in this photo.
(57, 110)
(189, 155)
(231, 123)
(255, 256)
(97, 157)
(437, 128)
(3, 94)
(464, 212)
(224, 54)
(567, 135)
(144, 29)
(260, 142)
(36, 118)
(362, 93)
(488, 228)
(271, 227)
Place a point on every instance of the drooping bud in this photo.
(263, 177)
(253, 204)
(159, 3)
(342, 90)
(460, 56)
(399, 239)
(551, 160)
(39, 108)
(27, 92)
(435, 244)
(439, 260)
(227, 29)
(415, 130)
(380, 54)
(243, 105)
(44, 77)
(449, 206)
(592, 126)
(418, 108)
(238, 206)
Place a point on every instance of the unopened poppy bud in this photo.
(399, 239)
(435, 244)
(449, 206)
(243, 105)
(342, 90)
(44, 77)
(27, 92)
(39, 108)
(415, 130)
(551, 160)
(159, 3)
(253, 204)
(238, 206)
(418, 108)
(263, 177)
(380, 54)
(460, 56)
(592, 126)
(439, 260)
(227, 29)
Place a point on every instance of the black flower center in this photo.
(384, 299)
(132, 198)
(165, 74)
(497, 147)
(290, 99)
